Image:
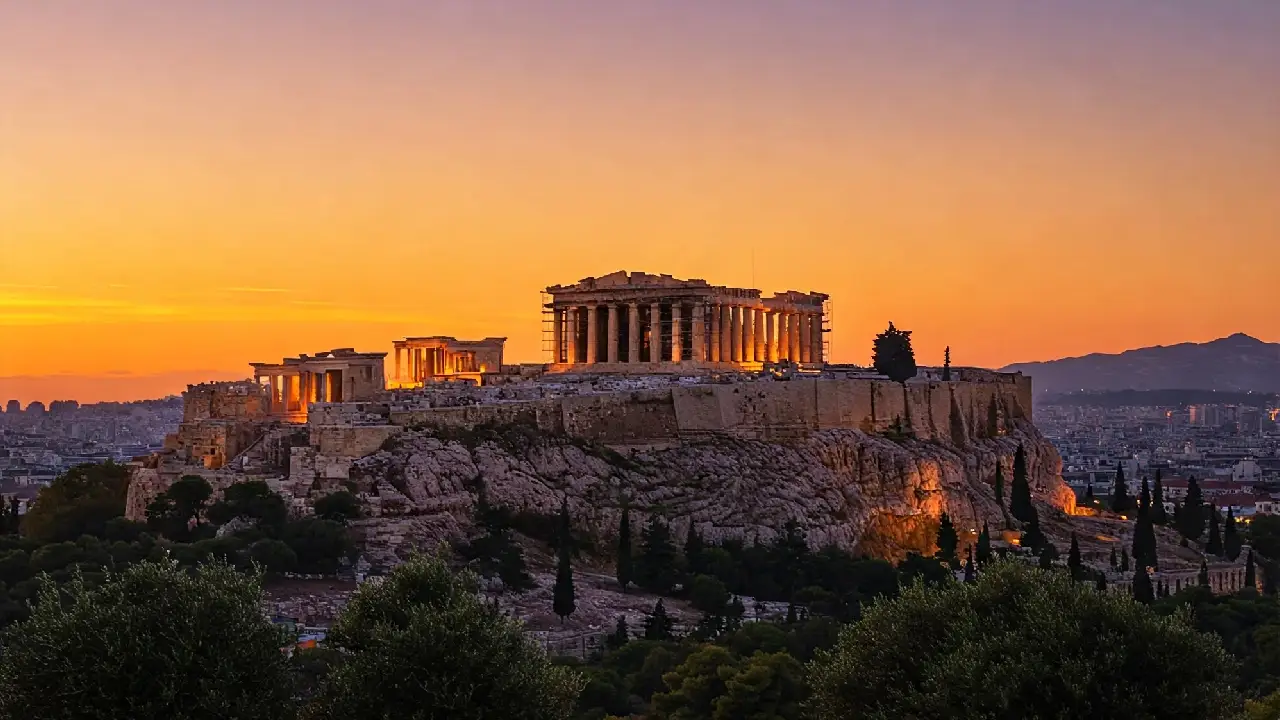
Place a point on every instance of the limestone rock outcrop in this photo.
(857, 490)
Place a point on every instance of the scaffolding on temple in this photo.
(549, 350)
(828, 316)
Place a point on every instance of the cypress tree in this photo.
(1142, 586)
(1100, 581)
(946, 364)
(656, 569)
(1157, 502)
(1115, 561)
(625, 576)
(1032, 537)
(620, 636)
(1231, 542)
(1214, 545)
(948, 542)
(1191, 516)
(1203, 578)
(562, 599)
(984, 545)
(1250, 574)
(1144, 533)
(1048, 555)
(999, 482)
(657, 624)
(693, 551)
(1073, 559)
(1124, 561)
(1020, 496)
(1119, 492)
(968, 568)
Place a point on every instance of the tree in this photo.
(713, 684)
(999, 483)
(197, 647)
(1191, 515)
(948, 542)
(252, 500)
(1203, 577)
(1032, 537)
(1214, 545)
(1158, 515)
(1100, 581)
(320, 545)
(1048, 554)
(80, 501)
(1020, 505)
(946, 365)
(658, 624)
(693, 551)
(984, 545)
(1142, 586)
(708, 595)
(936, 652)
(1073, 559)
(620, 635)
(341, 506)
(1144, 533)
(1231, 542)
(1250, 574)
(1119, 491)
(423, 643)
(624, 568)
(892, 355)
(562, 595)
(968, 567)
(656, 570)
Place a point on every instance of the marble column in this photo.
(633, 333)
(699, 333)
(762, 354)
(806, 339)
(557, 335)
(815, 342)
(770, 336)
(397, 364)
(677, 333)
(735, 333)
(713, 349)
(322, 386)
(748, 334)
(793, 336)
(572, 356)
(593, 331)
(655, 333)
(726, 333)
(612, 340)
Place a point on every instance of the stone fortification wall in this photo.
(768, 410)
(242, 400)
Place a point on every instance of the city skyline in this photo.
(200, 185)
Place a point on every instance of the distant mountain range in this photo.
(1238, 363)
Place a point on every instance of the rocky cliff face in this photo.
(859, 491)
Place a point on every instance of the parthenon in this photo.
(640, 323)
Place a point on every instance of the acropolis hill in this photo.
(706, 404)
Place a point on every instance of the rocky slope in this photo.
(859, 491)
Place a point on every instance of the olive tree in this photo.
(1021, 642)
(153, 642)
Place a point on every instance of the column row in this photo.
(291, 393)
(420, 364)
(676, 332)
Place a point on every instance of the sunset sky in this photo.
(187, 186)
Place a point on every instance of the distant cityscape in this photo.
(1231, 450)
(37, 443)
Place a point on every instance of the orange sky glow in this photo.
(189, 186)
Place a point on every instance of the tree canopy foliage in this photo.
(892, 356)
(78, 502)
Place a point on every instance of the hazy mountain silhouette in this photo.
(1236, 363)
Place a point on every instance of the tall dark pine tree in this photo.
(946, 364)
(1032, 536)
(1250, 574)
(1203, 578)
(1142, 591)
(1158, 515)
(969, 575)
(1231, 541)
(620, 636)
(1020, 494)
(984, 545)
(1119, 492)
(656, 569)
(657, 624)
(948, 542)
(562, 599)
(625, 570)
(1100, 581)
(693, 551)
(1192, 514)
(1124, 561)
(1214, 544)
(999, 483)
(892, 355)
(1144, 533)
(1074, 563)
(1144, 495)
